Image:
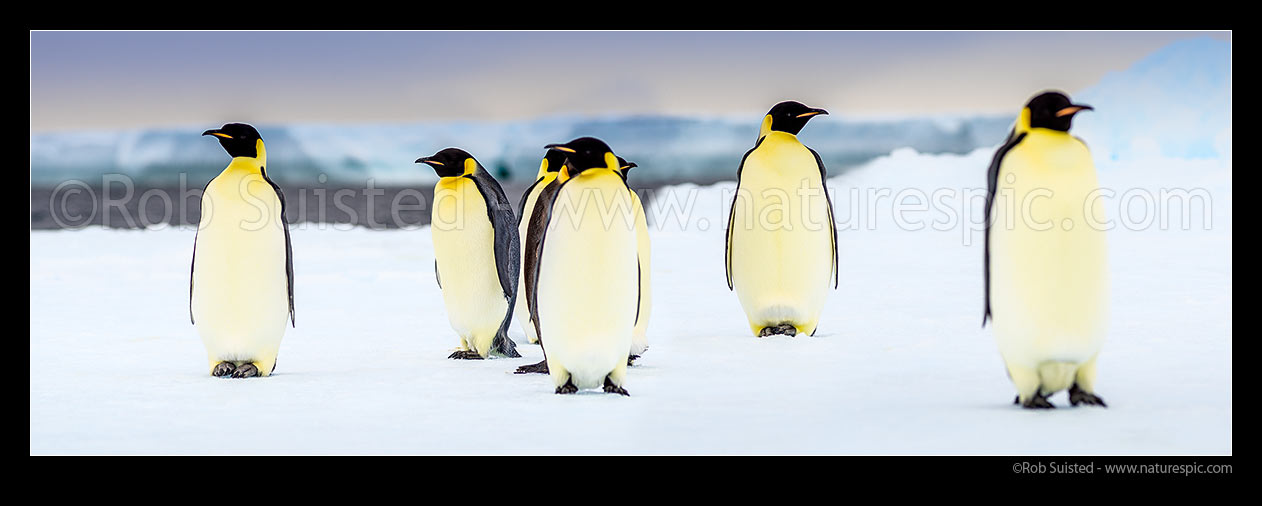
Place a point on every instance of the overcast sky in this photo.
(108, 80)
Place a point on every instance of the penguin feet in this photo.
(1079, 396)
(631, 359)
(465, 355)
(223, 369)
(786, 329)
(541, 367)
(1037, 401)
(611, 388)
(246, 371)
(567, 388)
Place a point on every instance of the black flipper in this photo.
(507, 252)
(289, 248)
(437, 278)
(832, 225)
(193, 264)
(727, 239)
(639, 282)
(536, 231)
(992, 181)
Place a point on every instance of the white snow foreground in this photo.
(900, 364)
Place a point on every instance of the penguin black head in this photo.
(448, 162)
(238, 139)
(624, 166)
(556, 159)
(584, 153)
(1053, 110)
(789, 117)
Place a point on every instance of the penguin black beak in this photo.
(217, 133)
(560, 147)
(1073, 109)
(425, 159)
(630, 165)
(812, 112)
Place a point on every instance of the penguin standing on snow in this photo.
(585, 291)
(241, 284)
(476, 251)
(1046, 258)
(781, 238)
(548, 170)
(535, 227)
(530, 257)
(639, 342)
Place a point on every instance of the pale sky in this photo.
(118, 80)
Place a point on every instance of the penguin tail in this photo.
(639, 344)
(503, 345)
(1055, 376)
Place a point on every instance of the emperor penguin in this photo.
(536, 225)
(1046, 272)
(548, 170)
(639, 341)
(781, 239)
(476, 252)
(241, 284)
(585, 295)
(530, 257)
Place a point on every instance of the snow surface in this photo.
(900, 364)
